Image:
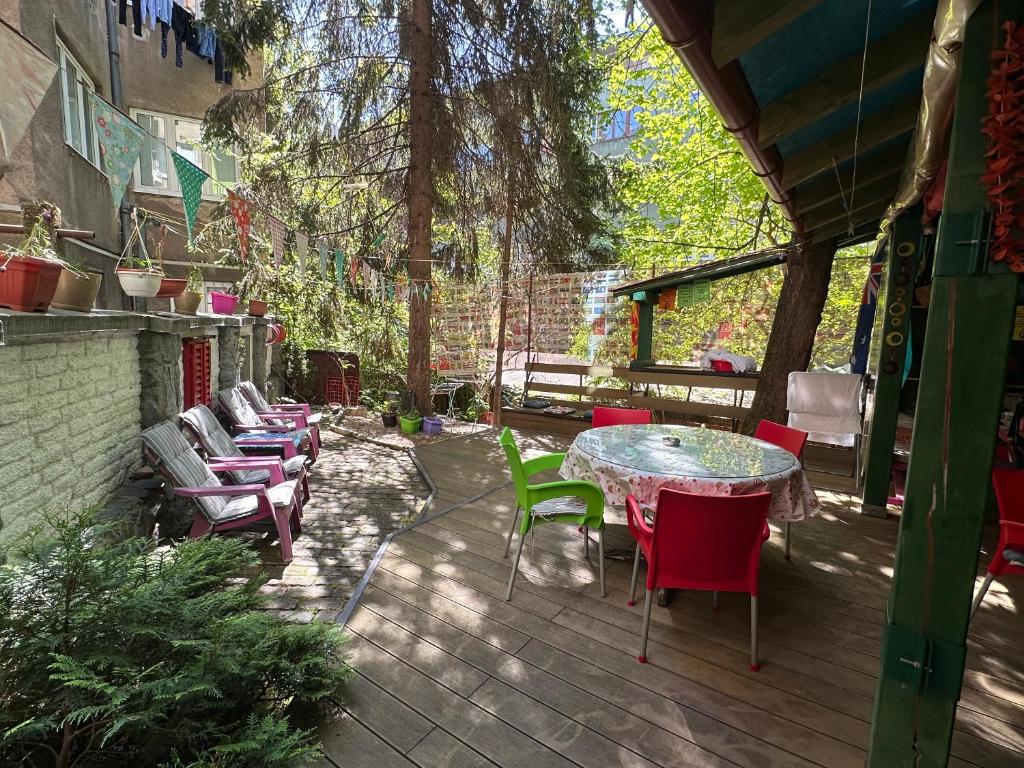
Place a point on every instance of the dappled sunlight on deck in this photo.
(551, 678)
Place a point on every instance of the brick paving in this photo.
(360, 493)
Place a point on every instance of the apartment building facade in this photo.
(166, 91)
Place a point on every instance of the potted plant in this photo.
(432, 425)
(29, 273)
(77, 288)
(187, 302)
(223, 303)
(138, 275)
(410, 420)
(257, 308)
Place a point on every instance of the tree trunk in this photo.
(506, 258)
(420, 193)
(791, 340)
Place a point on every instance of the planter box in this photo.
(139, 282)
(389, 419)
(28, 284)
(410, 426)
(223, 303)
(257, 308)
(432, 425)
(76, 291)
(187, 302)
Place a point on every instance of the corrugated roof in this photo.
(716, 270)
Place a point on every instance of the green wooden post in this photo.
(645, 336)
(902, 258)
(969, 321)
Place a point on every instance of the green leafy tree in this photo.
(116, 653)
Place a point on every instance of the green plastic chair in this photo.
(577, 502)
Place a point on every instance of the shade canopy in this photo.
(807, 86)
(716, 270)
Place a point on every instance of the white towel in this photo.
(740, 363)
(826, 406)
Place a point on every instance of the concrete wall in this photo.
(69, 425)
(43, 166)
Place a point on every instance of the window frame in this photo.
(173, 189)
(86, 129)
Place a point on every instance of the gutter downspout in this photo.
(686, 27)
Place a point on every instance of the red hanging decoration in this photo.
(1004, 167)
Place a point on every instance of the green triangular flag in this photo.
(190, 179)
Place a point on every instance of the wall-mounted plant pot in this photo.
(76, 291)
(139, 282)
(187, 302)
(389, 419)
(410, 426)
(170, 286)
(432, 425)
(28, 284)
(223, 303)
(257, 308)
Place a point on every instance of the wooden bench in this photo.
(640, 391)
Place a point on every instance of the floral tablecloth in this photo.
(635, 459)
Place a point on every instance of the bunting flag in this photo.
(190, 179)
(120, 145)
(27, 76)
(278, 231)
(339, 267)
(353, 270)
(302, 245)
(242, 214)
(321, 248)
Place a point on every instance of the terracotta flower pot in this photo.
(139, 282)
(187, 302)
(76, 291)
(28, 284)
(170, 286)
(257, 308)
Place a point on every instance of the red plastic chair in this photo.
(788, 439)
(700, 542)
(784, 437)
(1009, 554)
(609, 417)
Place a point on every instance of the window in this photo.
(78, 118)
(155, 171)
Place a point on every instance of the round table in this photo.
(633, 458)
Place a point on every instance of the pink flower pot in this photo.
(223, 303)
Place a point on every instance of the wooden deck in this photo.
(449, 674)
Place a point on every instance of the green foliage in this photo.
(115, 653)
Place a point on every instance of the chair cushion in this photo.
(297, 436)
(281, 495)
(563, 505)
(292, 467)
(181, 464)
(1014, 556)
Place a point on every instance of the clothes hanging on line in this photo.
(207, 42)
(122, 15)
(184, 33)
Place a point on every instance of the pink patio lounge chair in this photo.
(246, 419)
(607, 417)
(262, 405)
(1009, 553)
(700, 542)
(202, 425)
(223, 507)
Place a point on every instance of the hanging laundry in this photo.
(164, 14)
(207, 42)
(322, 250)
(190, 179)
(122, 15)
(220, 74)
(241, 211)
(148, 11)
(278, 232)
(302, 245)
(184, 33)
(120, 144)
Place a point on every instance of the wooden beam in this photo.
(862, 203)
(741, 24)
(841, 226)
(874, 130)
(889, 58)
(871, 190)
(830, 186)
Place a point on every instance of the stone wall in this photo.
(69, 425)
